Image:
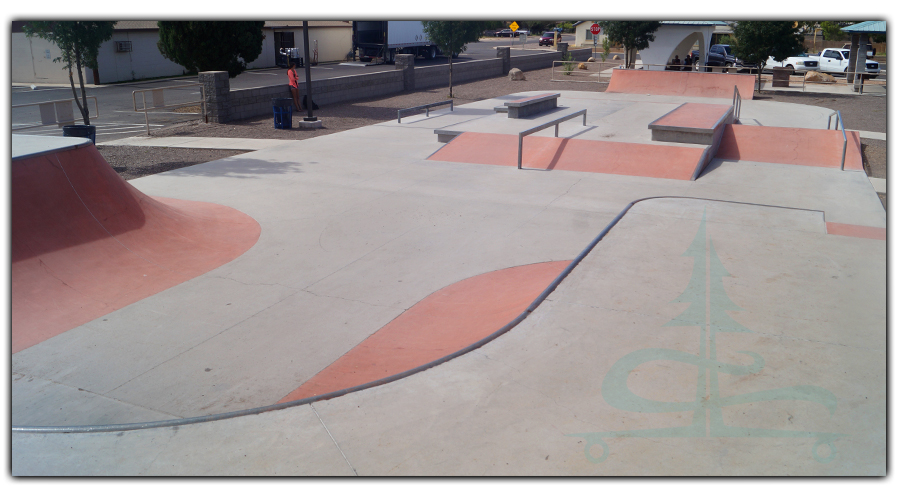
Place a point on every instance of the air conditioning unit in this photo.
(123, 46)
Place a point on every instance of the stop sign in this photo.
(595, 29)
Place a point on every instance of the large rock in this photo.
(516, 74)
(815, 76)
(590, 59)
(582, 66)
(617, 58)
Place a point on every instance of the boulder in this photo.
(582, 66)
(617, 58)
(516, 74)
(591, 59)
(815, 76)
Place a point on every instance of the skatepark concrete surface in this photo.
(731, 325)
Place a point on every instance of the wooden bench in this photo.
(528, 106)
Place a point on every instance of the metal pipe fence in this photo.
(56, 112)
(159, 101)
(567, 71)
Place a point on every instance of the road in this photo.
(115, 101)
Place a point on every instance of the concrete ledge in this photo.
(529, 106)
(447, 135)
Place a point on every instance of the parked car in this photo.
(505, 32)
(870, 51)
(797, 64)
(718, 55)
(521, 32)
(836, 61)
(491, 33)
(547, 39)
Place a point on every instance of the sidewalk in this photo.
(197, 142)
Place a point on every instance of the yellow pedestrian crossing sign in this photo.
(514, 26)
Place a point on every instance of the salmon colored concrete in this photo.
(85, 242)
(686, 83)
(694, 115)
(442, 323)
(553, 153)
(794, 146)
(874, 233)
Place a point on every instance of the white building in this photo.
(583, 36)
(676, 38)
(132, 53)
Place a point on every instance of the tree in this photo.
(757, 40)
(831, 30)
(633, 35)
(80, 43)
(211, 45)
(451, 37)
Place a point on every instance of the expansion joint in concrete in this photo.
(336, 445)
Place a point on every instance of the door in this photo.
(829, 60)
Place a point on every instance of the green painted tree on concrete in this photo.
(757, 40)
(633, 35)
(452, 37)
(80, 43)
(211, 45)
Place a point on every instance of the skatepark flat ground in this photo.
(360, 226)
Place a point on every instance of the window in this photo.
(123, 46)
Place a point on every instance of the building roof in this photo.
(867, 27)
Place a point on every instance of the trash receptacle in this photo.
(86, 131)
(283, 108)
(781, 77)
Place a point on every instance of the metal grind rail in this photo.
(549, 124)
(56, 112)
(843, 131)
(159, 101)
(426, 107)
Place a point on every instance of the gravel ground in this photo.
(858, 112)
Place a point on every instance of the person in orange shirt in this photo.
(295, 91)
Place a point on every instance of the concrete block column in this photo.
(503, 55)
(407, 64)
(217, 88)
(563, 47)
(860, 60)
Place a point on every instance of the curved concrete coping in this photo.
(27, 146)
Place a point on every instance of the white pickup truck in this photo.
(836, 61)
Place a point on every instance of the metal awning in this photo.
(866, 27)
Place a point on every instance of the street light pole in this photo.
(309, 99)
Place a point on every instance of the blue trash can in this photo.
(283, 108)
(86, 131)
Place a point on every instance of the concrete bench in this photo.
(447, 135)
(528, 106)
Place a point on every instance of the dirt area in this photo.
(132, 162)
(858, 112)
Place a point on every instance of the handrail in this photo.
(555, 122)
(843, 130)
(145, 109)
(736, 103)
(55, 116)
(426, 107)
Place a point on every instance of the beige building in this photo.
(132, 53)
(583, 36)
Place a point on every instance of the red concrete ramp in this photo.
(85, 242)
(446, 321)
(793, 146)
(554, 153)
(683, 83)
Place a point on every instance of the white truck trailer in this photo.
(385, 39)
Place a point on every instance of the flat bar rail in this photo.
(549, 124)
(52, 107)
(426, 107)
(159, 94)
(736, 103)
(843, 131)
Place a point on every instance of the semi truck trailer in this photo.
(385, 39)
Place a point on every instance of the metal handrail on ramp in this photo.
(736, 103)
(843, 131)
(549, 124)
(426, 107)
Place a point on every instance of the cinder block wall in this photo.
(249, 103)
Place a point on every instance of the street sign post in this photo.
(512, 38)
(595, 30)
